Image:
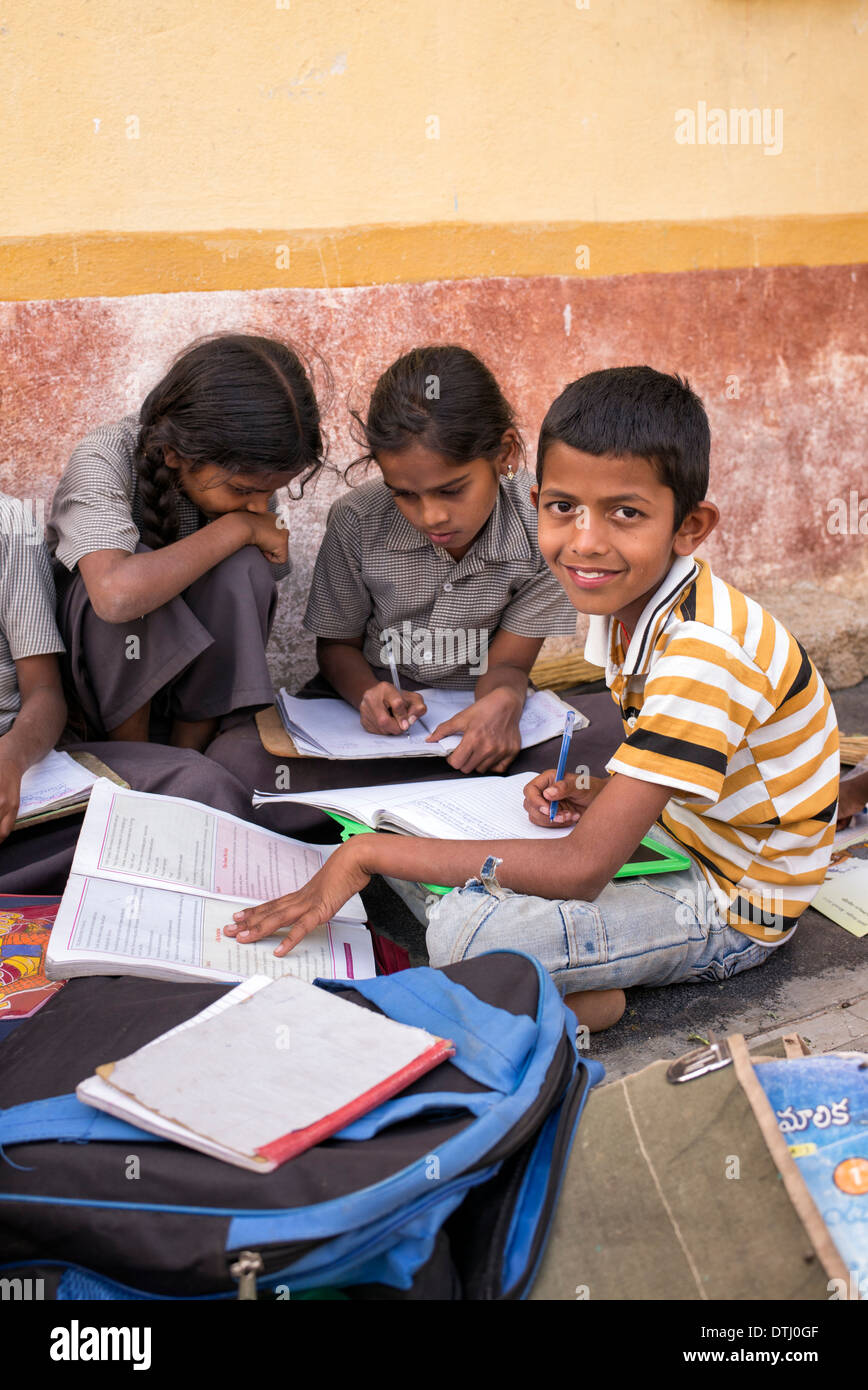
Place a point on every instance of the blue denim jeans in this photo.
(658, 930)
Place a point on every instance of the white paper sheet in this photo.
(56, 777)
(843, 894)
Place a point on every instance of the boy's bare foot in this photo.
(597, 1008)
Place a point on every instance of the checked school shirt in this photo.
(97, 506)
(721, 703)
(27, 623)
(375, 574)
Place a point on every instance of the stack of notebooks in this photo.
(333, 729)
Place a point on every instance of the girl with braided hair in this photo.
(168, 546)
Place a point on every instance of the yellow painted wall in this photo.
(120, 116)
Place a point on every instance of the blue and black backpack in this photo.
(445, 1191)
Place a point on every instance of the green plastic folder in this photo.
(649, 856)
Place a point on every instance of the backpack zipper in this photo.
(245, 1269)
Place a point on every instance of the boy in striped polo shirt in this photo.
(730, 747)
(725, 715)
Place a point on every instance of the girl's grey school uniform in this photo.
(200, 656)
(27, 600)
(38, 860)
(376, 574)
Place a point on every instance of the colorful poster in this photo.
(24, 933)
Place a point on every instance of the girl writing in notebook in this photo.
(430, 575)
(33, 714)
(441, 547)
(168, 546)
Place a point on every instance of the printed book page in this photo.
(843, 894)
(166, 842)
(287, 1057)
(107, 927)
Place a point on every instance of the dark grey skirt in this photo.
(200, 656)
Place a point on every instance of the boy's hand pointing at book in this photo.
(317, 902)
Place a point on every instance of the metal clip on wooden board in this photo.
(700, 1062)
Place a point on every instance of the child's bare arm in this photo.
(576, 866)
(37, 727)
(122, 587)
(510, 658)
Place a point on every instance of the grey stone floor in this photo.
(817, 985)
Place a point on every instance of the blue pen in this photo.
(562, 760)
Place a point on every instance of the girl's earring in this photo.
(510, 472)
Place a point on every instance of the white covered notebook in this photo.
(269, 1070)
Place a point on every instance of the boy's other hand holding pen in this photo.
(573, 794)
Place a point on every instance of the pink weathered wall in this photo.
(780, 357)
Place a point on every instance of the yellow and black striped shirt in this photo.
(720, 702)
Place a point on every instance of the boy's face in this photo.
(607, 530)
(448, 502)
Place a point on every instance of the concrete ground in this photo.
(817, 985)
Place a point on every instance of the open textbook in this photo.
(156, 878)
(478, 808)
(257, 1087)
(333, 729)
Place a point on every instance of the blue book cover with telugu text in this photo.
(821, 1106)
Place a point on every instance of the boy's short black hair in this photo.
(636, 410)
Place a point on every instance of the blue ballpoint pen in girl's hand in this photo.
(562, 760)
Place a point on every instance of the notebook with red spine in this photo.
(268, 1071)
(279, 1150)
